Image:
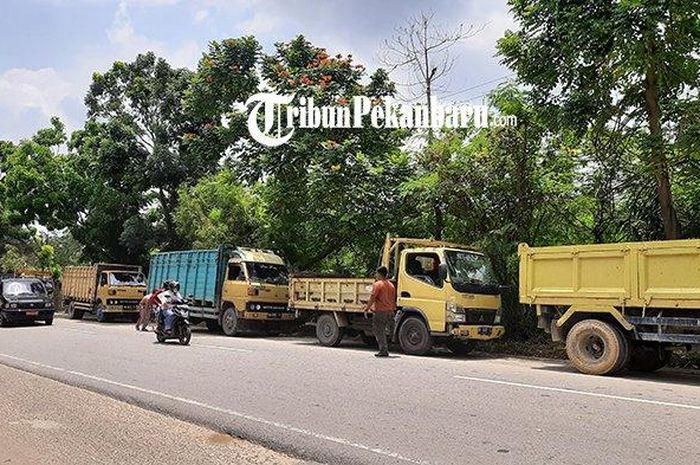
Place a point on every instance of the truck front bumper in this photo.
(478, 332)
(285, 316)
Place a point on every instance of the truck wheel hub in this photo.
(594, 346)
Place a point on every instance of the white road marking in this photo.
(283, 426)
(581, 393)
(232, 349)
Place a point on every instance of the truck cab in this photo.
(23, 300)
(444, 291)
(256, 287)
(119, 292)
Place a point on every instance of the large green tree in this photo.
(331, 193)
(590, 60)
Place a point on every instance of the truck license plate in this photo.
(485, 330)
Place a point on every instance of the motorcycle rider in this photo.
(166, 300)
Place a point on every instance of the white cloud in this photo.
(43, 88)
(201, 15)
(261, 23)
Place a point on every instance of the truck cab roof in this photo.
(246, 254)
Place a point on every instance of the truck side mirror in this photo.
(442, 271)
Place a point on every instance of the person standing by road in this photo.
(382, 303)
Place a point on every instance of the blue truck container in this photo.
(199, 272)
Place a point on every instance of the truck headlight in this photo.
(454, 313)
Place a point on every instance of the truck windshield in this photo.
(267, 273)
(126, 279)
(471, 272)
(13, 288)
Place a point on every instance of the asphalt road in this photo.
(342, 405)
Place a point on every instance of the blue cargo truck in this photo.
(237, 289)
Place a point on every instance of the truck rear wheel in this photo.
(595, 347)
(327, 330)
(414, 336)
(73, 312)
(648, 357)
(229, 322)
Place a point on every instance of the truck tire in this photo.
(648, 356)
(213, 325)
(595, 347)
(229, 321)
(459, 346)
(73, 312)
(328, 332)
(414, 336)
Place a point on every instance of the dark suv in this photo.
(24, 299)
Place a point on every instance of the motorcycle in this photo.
(181, 326)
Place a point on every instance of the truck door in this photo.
(420, 287)
(235, 287)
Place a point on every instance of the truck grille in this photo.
(480, 317)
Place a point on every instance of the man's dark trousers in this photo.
(381, 322)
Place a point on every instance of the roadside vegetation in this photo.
(606, 149)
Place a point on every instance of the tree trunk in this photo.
(658, 160)
(168, 218)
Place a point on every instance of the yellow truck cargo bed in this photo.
(663, 274)
(337, 294)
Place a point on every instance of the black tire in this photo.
(414, 336)
(159, 337)
(626, 354)
(213, 325)
(100, 313)
(229, 321)
(648, 357)
(595, 347)
(74, 313)
(48, 321)
(459, 346)
(185, 335)
(328, 332)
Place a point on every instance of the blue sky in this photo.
(50, 48)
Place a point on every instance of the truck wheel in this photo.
(459, 346)
(414, 336)
(327, 330)
(229, 322)
(595, 347)
(74, 313)
(213, 325)
(100, 313)
(648, 357)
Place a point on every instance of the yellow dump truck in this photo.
(104, 289)
(446, 295)
(617, 306)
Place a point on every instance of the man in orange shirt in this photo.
(382, 303)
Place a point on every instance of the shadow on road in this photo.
(666, 376)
